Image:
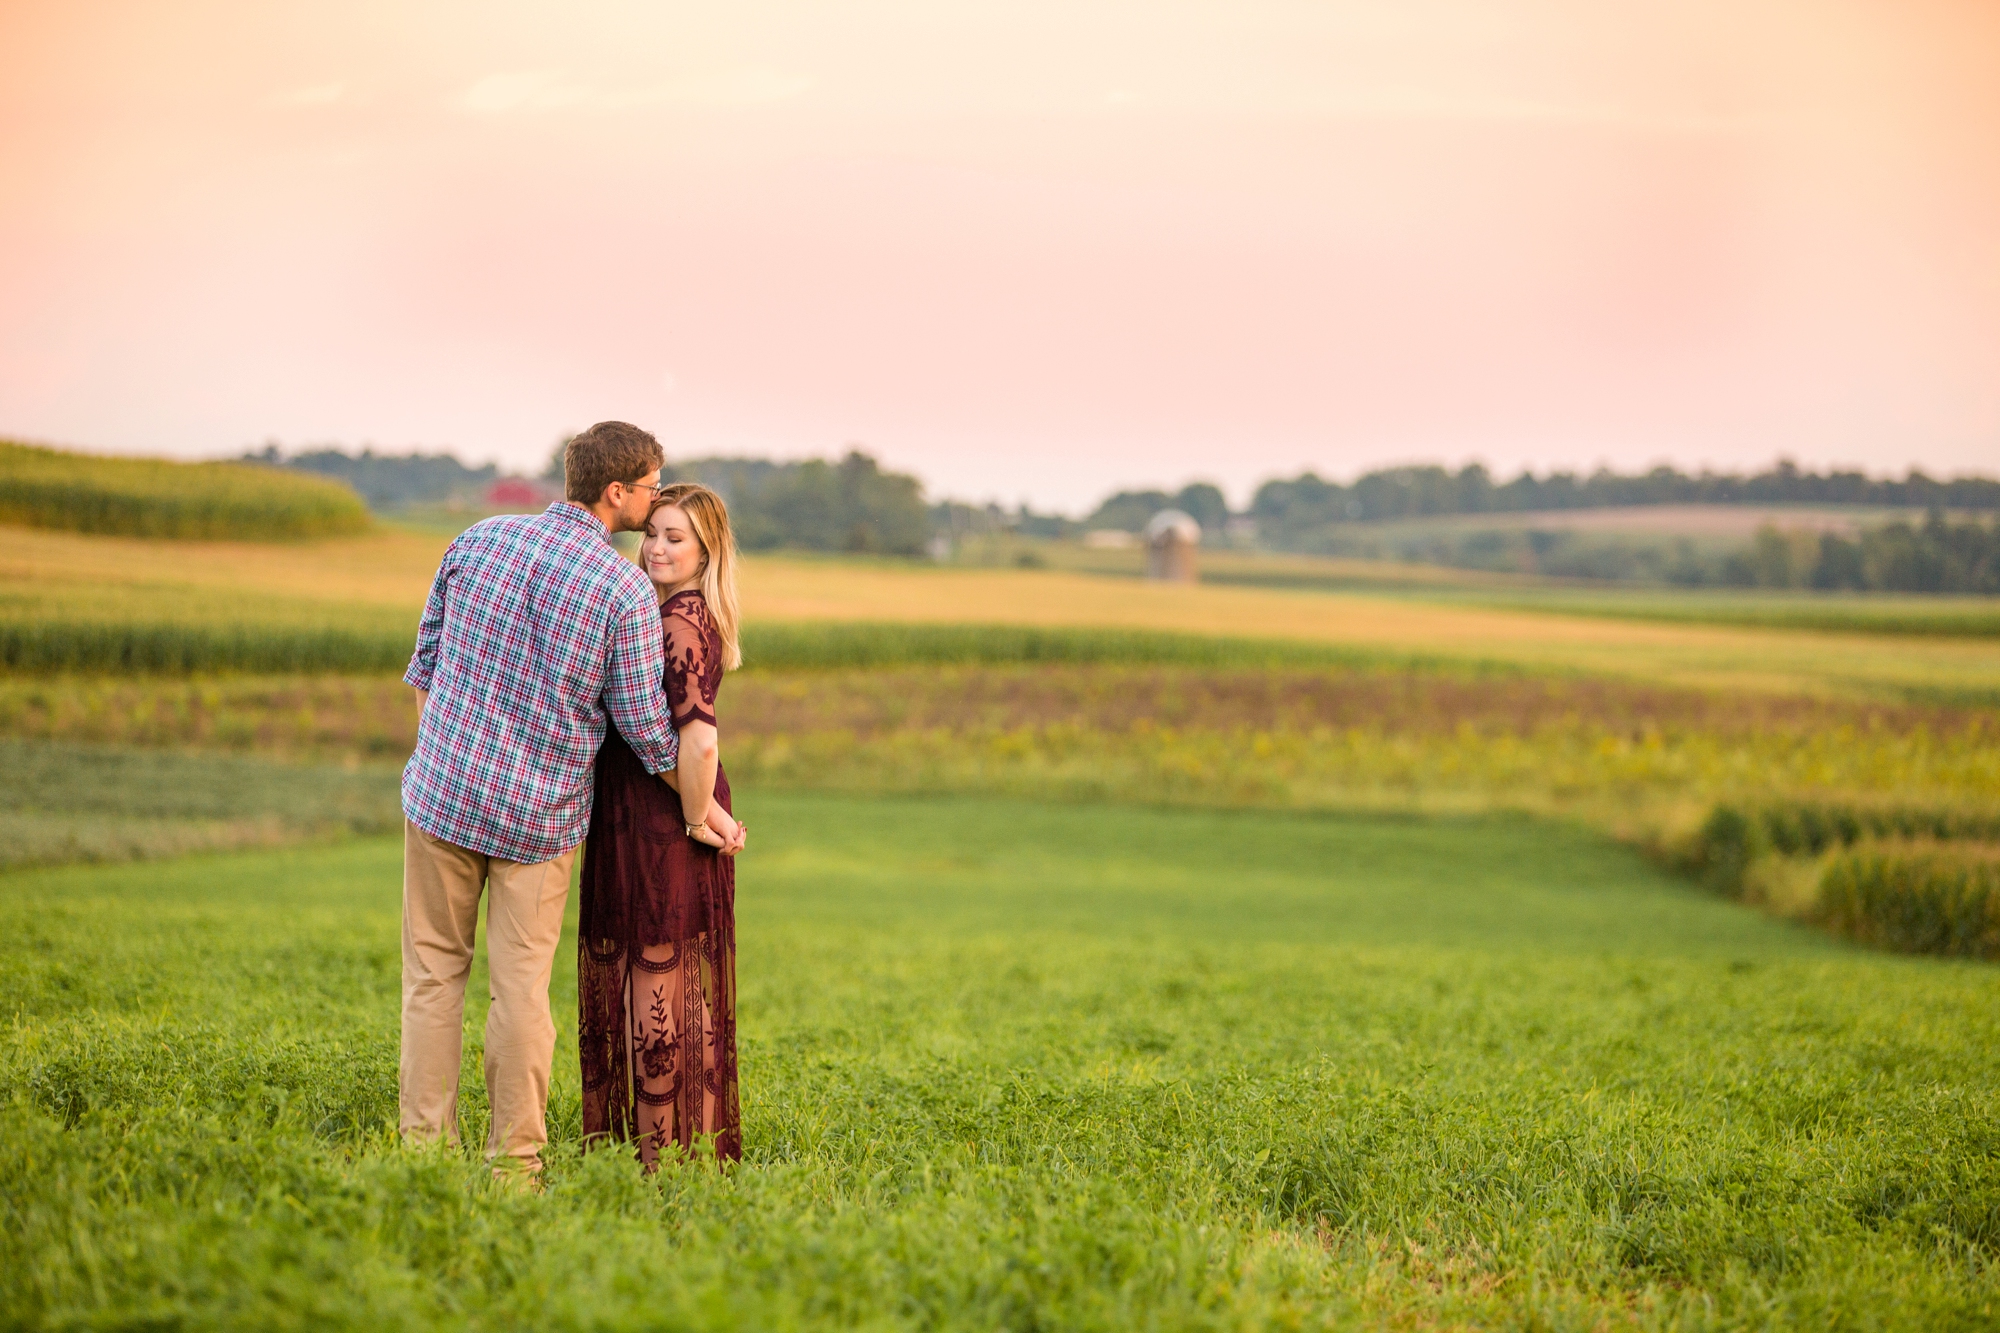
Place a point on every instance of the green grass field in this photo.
(1014, 1065)
(1251, 955)
(67, 802)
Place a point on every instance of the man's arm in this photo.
(633, 692)
(430, 629)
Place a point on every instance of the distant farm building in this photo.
(1171, 539)
(519, 493)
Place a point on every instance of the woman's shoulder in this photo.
(689, 605)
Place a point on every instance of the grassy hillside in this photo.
(1007, 1065)
(145, 497)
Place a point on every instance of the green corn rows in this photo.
(144, 497)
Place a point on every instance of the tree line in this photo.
(387, 481)
(1307, 501)
(850, 504)
(853, 504)
(1934, 556)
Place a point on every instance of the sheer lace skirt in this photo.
(657, 1030)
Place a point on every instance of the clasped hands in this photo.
(720, 831)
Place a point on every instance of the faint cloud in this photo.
(314, 94)
(551, 89)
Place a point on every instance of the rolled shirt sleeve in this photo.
(634, 687)
(423, 662)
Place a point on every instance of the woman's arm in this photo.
(694, 779)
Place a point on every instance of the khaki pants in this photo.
(524, 915)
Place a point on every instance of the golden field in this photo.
(379, 580)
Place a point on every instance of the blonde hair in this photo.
(709, 517)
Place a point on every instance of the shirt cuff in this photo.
(672, 750)
(419, 675)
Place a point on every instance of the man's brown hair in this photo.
(607, 452)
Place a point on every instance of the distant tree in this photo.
(849, 505)
(1128, 510)
(1302, 513)
(387, 481)
(1203, 503)
(552, 471)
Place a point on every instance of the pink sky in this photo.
(1025, 249)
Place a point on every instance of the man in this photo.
(535, 629)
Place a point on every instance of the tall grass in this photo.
(41, 644)
(143, 497)
(1297, 737)
(1941, 616)
(1921, 898)
(168, 648)
(1736, 835)
(810, 645)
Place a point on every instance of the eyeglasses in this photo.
(654, 486)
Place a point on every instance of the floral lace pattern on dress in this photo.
(694, 659)
(656, 946)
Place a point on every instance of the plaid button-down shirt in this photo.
(535, 629)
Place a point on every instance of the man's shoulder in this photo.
(565, 551)
(630, 582)
(590, 551)
(501, 529)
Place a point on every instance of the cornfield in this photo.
(1917, 898)
(38, 644)
(47, 646)
(144, 497)
(1734, 837)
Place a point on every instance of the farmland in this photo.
(1028, 1065)
(359, 597)
(51, 488)
(1313, 946)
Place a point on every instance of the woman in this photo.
(656, 941)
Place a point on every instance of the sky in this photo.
(1028, 250)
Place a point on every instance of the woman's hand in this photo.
(722, 832)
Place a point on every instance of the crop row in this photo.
(1921, 898)
(126, 647)
(1736, 836)
(143, 497)
(1294, 738)
(1917, 878)
(42, 644)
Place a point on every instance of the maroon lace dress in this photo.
(656, 941)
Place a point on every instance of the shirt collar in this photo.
(572, 512)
